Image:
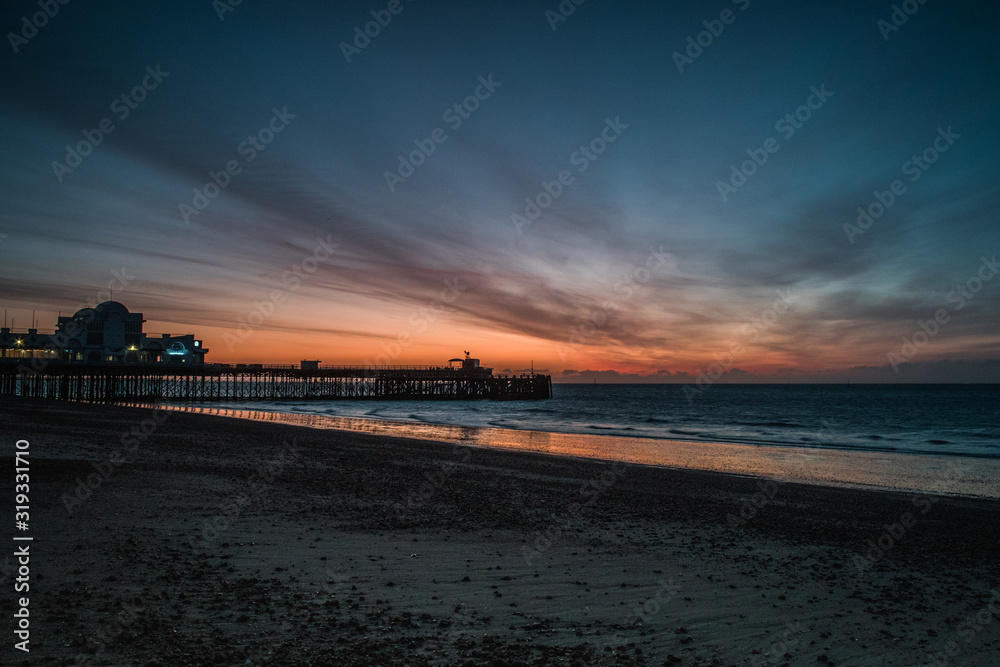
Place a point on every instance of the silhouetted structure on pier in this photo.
(108, 332)
(102, 354)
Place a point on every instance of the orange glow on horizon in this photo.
(390, 338)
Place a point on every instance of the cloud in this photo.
(323, 177)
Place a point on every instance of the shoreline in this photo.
(215, 541)
(942, 474)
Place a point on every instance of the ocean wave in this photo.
(902, 419)
(772, 424)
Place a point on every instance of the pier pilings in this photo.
(158, 382)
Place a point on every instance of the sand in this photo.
(214, 541)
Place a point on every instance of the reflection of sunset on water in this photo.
(927, 473)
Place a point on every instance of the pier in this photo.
(258, 382)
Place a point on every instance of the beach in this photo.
(168, 538)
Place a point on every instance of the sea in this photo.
(943, 438)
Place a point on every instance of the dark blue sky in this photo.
(553, 289)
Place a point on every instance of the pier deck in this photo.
(250, 382)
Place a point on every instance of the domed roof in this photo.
(112, 307)
(103, 309)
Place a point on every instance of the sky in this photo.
(640, 191)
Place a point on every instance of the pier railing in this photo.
(250, 382)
